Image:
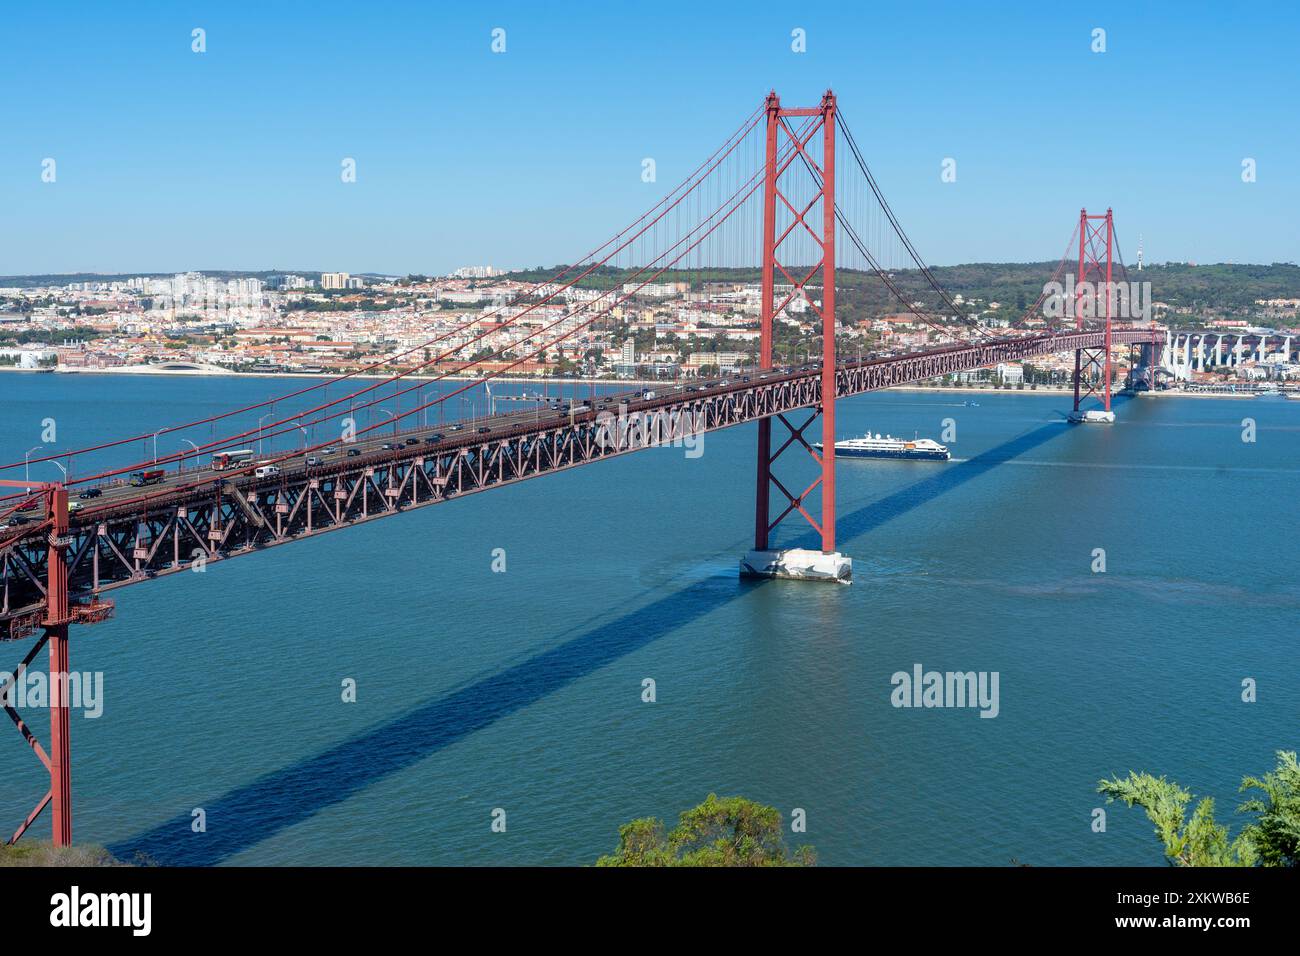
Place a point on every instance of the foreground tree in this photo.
(1272, 839)
(1277, 830)
(730, 831)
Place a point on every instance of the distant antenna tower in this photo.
(1139, 252)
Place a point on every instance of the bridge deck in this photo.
(128, 535)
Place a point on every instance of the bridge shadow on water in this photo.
(245, 816)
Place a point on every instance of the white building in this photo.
(29, 357)
(723, 360)
(287, 282)
(1009, 374)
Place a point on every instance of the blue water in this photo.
(522, 690)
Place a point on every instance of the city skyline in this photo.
(234, 157)
(472, 272)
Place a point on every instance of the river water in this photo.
(480, 690)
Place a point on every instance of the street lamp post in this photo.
(196, 453)
(259, 431)
(155, 443)
(27, 467)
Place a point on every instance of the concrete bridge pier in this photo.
(1143, 375)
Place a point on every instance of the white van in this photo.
(266, 471)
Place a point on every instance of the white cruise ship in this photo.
(887, 446)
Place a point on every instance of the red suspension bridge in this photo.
(774, 199)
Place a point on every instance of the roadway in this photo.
(112, 499)
(93, 501)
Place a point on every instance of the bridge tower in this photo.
(785, 149)
(1093, 297)
(59, 614)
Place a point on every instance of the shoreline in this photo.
(1063, 390)
(328, 376)
(547, 382)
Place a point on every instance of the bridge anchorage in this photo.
(215, 500)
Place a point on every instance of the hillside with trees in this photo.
(1192, 293)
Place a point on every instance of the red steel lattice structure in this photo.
(1092, 368)
(823, 236)
(59, 614)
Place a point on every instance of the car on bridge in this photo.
(91, 493)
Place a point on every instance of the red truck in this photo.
(141, 478)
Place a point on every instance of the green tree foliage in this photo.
(1271, 839)
(44, 336)
(1277, 830)
(1220, 288)
(726, 831)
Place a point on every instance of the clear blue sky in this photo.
(171, 160)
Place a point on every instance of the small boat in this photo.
(887, 446)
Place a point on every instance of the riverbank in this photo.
(1062, 390)
(546, 383)
(43, 853)
(136, 371)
